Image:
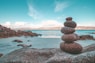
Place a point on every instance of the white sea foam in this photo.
(50, 36)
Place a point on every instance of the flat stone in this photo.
(69, 38)
(73, 48)
(67, 30)
(70, 24)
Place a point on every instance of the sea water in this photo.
(49, 39)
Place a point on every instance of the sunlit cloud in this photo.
(86, 24)
(61, 6)
(51, 23)
(15, 24)
(44, 24)
(20, 23)
(7, 24)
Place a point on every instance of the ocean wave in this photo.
(50, 36)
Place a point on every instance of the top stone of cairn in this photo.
(70, 23)
(69, 19)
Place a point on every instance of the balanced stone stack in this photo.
(69, 37)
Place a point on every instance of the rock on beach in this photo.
(49, 55)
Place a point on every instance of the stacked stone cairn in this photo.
(69, 37)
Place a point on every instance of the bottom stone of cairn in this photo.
(73, 48)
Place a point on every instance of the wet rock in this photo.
(19, 41)
(38, 34)
(28, 40)
(92, 33)
(1, 54)
(24, 45)
(85, 37)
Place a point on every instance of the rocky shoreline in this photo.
(69, 51)
(1, 54)
(7, 32)
(86, 37)
(49, 55)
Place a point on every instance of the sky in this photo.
(46, 13)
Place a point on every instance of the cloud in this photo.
(33, 12)
(60, 6)
(51, 23)
(87, 24)
(20, 24)
(44, 24)
(7, 24)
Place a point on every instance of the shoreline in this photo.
(49, 55)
